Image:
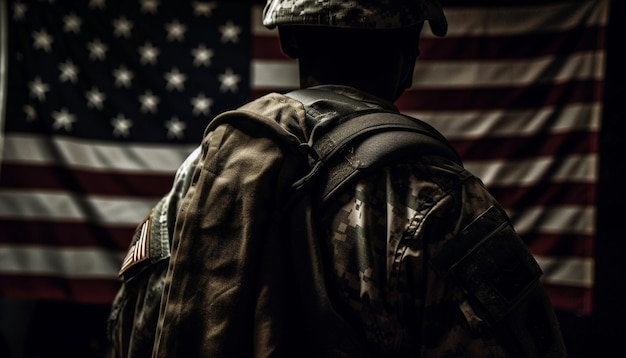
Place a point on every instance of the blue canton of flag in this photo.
(141, 71)
(104, 100)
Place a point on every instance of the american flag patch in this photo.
(139, 249)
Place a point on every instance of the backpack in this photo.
(358, 140)
(349, 140)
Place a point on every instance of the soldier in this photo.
(414, 259)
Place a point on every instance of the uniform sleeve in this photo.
(483, 294)
(216, 302)
(135, 310)
(427, 264)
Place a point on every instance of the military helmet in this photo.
(363, 14)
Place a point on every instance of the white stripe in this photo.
(129, 258)
(573, 168)
(491, 21)
(83, 263)
(526, 19)
(142, 240)
(577, 271)
(274, 74)
(95, 155)
(78, 263)
(15, 204)
(560, 219)
(136, 251)
(441, 74)
(505, 123)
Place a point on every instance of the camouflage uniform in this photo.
(402, 259)
(417, 259)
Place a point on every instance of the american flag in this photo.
(138, 250)
(104, 99)
(517, 90)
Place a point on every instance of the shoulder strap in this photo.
(353, 139)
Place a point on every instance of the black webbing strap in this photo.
(353, 139)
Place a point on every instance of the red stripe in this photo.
(478, 48)
(267, 48)
(21, 176)
(493, 98)
(544, 194)
(515, 48)
(498, 98)
(519, 147)
(65, 234)
(569, 298)
(560, 245)
(87, 291)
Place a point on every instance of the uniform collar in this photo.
(358, 95)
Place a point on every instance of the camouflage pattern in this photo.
(366, 14)
(398, 266)
(135, 311)
(386, 242)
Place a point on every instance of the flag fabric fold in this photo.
(103, 101)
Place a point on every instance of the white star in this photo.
(38, 89)
(230, 32)
(121, 126)
(148, 54)
(95, 98)
(149, 6)
(30, 113)
(69, 72)
(122, 27)
(63, 119)
(201, 104)
(123, 77)
(175, 80)
(175, 31)
(42, 40)
(203, 8)
(96, 4)
(19, 10)
(97, 50)
(72, 23)
(149, 102)
(202, 55)
(175, 128)
(229, 81)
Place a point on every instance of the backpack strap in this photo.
(351, 139)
